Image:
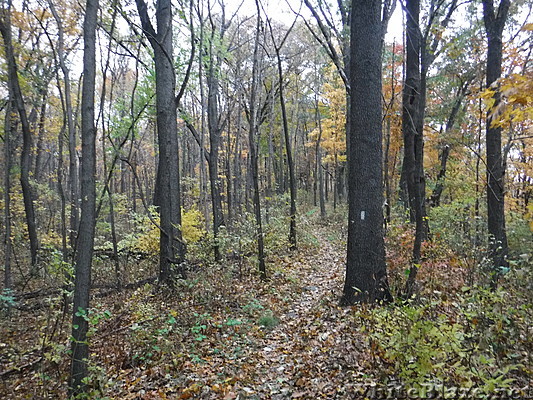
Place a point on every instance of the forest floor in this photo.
(217, 335)
(220, 334)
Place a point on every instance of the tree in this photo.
(25, 160)
(84, 253)
(392, 120)
(253, 141)
(71, 126)
(8, 126)
(172, 247)
(494, 21)
(421, 51)
(366, 272)
(410, 124)
(288, 149)
(333, 130)
(213, 55)
(461, 92)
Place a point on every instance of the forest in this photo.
(262, 199)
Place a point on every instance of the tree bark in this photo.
(8, 126)
(319, 173)
(410, 125)
(494, 23)
(253, 138)
(25, 160)
(215, 131)
(288, 148)
(84, 253)
(366, 273)
(171, 246)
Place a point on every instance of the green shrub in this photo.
(456, 225)
(475, 341)
(7, 300)
(519, 236)
(268, 320)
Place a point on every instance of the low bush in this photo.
(478, 339)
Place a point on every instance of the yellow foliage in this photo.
(192, 225)
(52, 239)
(515, 111)
(516, 105)
(148, 240)
(333, 139)
(191, 229)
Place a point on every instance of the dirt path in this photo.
(312, 347)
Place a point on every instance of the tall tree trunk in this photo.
(229, 181)
(494, 24)
(319, 173)
(321, 196)
(411, 136)
(477, 238)
(366, 273)
(215, 132)
(61, 191)
(25, 160)
(69, 116)
(268, 160)
(281, 170)
(84, 253)
(171, 245)
(204, 207)
(237, 167)
(288, 148)
(335, 181)
(420, 176)
(386, 173)
(253, 138)
(326, 183)
(8, 126)
(421, 52)
(386, 156)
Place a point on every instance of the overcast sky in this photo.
(280, 10)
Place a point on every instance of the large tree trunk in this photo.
(25, 160)
(421, 52)
(494, 24)
(82, 284)
(366, 273)
(412, 137)
(171, 245)
(215, 132)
